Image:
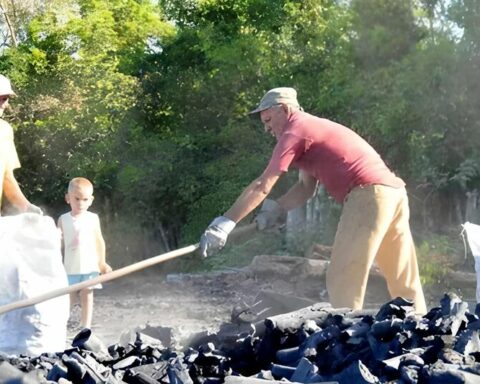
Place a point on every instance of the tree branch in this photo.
(9, 24)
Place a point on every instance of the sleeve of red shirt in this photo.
(288, 149)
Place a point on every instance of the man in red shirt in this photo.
(374, 225)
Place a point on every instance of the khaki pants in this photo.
(374, 226)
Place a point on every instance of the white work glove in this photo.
(270, 215)
(34, 209)
(215, 236)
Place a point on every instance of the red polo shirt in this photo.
(335, 155)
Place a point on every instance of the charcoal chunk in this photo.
(398, 307)
(85, 339)
(304, 371)
(356, 373)
(58, 371)
(128, 362)
(178, 372)
(468, 342)
(409, 374)
(440, 373)
(282, 371)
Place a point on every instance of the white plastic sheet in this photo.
(30, 265)
(473, 238)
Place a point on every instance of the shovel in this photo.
(115, 274)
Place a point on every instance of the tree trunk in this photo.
(8, 22)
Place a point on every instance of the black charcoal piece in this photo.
(398, 307)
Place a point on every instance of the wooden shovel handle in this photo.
(240, 231)
(100, 279)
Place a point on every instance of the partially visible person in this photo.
(30, 260)
(374, 225)
(83, 245)
(9, 158)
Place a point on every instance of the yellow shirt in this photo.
(8, 154)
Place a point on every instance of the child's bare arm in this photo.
(100, 242)
(60, 229)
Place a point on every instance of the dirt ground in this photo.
(186, 303)
(192, 303)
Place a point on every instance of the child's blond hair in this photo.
(78, 183)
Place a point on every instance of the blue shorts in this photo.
(80, 278)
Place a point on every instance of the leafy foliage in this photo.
(149, 99)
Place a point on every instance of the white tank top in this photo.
(79, 239)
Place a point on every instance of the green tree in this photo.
(76, 73)
(224, 56)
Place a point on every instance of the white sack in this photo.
(473, 237)
(30, 265)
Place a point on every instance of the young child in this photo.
(83, 244)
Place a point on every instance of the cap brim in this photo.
(258, 110)
(9, 93)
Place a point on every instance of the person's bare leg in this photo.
(73, 299)
(86, 301)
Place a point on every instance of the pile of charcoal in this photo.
(317, 344)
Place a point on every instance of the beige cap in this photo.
(282, 95)
(6, 87)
